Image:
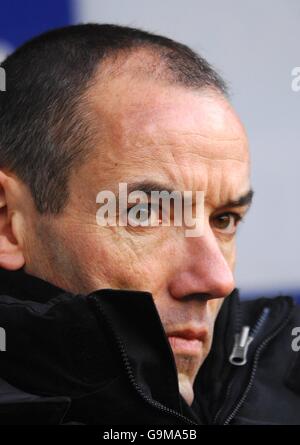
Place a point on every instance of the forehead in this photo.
(148, 128)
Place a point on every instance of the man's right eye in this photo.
(227, 222)
(142, 214)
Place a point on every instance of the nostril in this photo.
(199, 296)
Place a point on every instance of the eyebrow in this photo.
(151, 186)
(243, 201)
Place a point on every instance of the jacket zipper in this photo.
(258, 352)
(239, 352)
(131, 376)
(243, 340)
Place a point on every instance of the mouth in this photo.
(187, 341)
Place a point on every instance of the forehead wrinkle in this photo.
(177, 118)
(152, 98)
(138, 138)
(209, 147)
(212, 179)
(181, 154)
(153, 131)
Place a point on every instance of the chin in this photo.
(186, 388)
(188, 359)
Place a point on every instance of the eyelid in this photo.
(241, 212)
(238, 218)
(238, 215)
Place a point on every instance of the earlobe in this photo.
(11, 260)
(2, 197)
(11, 255)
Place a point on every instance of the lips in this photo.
(187, 341)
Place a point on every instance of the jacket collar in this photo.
(63, 333)
(217, 373)
(57, 337)
(136, 330)
(24, 286)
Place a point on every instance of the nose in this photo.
(203, 270)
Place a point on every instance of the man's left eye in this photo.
(227, 222)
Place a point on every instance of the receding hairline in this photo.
(138, 64)
(53, 90)
(146, 62)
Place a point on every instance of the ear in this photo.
(11, 253)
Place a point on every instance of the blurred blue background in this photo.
(255, 45)
(21, 20)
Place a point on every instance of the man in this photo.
(116, 323)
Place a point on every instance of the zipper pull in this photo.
(242, 341)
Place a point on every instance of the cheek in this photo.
(214, 307)
(122, 260)
(232, 256)
(228, 250)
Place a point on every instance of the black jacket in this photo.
(104, 359)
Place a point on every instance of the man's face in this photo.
(181, 139)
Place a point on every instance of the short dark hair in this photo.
(44, 129)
